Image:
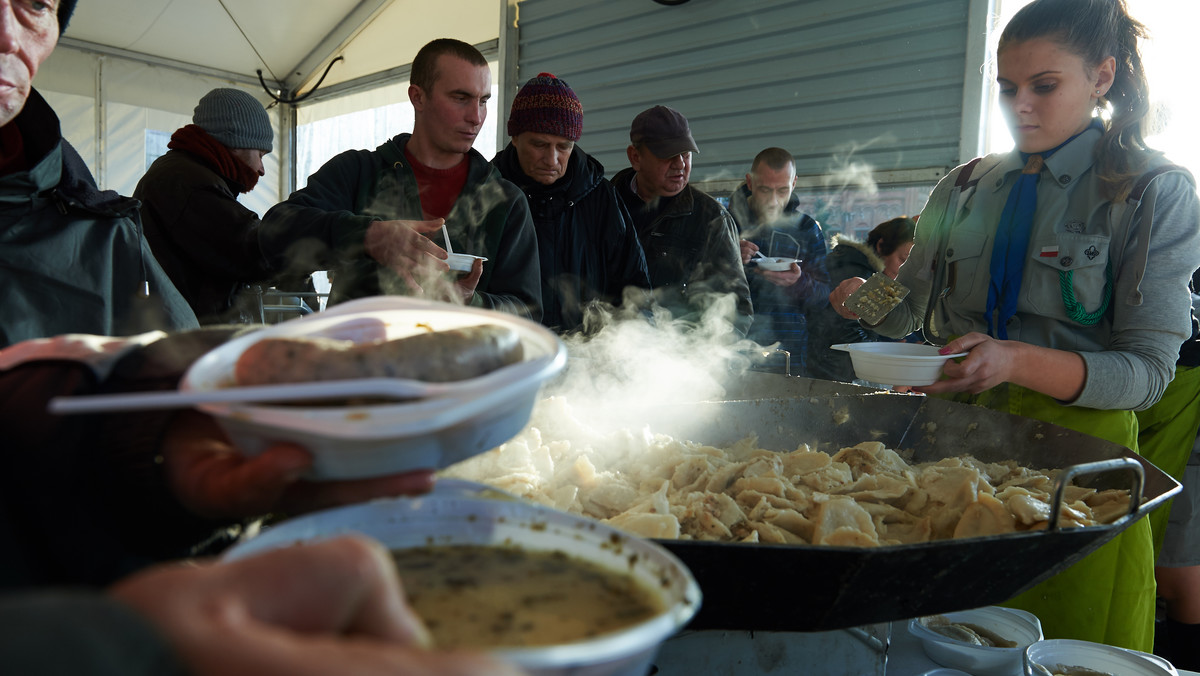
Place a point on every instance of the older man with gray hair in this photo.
(71, 255)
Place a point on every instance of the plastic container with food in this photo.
(959, 639)
(460, 262)
(775, 264)
(896, 363)
(1084, 658)
(354, 438)
(452, 516)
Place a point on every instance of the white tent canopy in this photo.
(291, 41)
(127, 73)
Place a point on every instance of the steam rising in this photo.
(847, 172)
(632, 358)
(389, 204)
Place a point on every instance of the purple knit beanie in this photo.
(547, 105)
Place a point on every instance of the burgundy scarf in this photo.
(198, 142)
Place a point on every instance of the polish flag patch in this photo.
(1049, 252)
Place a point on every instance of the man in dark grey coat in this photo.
(588, 248)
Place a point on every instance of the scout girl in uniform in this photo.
(1063, 268)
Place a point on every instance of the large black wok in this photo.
(820, 588)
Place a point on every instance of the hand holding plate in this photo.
(212, 479)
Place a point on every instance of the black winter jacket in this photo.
(692, 251)
(588, 247)
(204, 239)
(84, 499)
(322, 226)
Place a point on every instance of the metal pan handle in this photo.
(1137, 472)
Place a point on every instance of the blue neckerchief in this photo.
(1012, 241)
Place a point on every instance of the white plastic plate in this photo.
(356, 441)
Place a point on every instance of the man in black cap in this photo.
(72, 259)
(587, 245)
(204, 239)
(690, 240)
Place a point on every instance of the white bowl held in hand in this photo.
(896, 363)
(775, 264)
(450, 516)
(1018, 626)
(460, 262)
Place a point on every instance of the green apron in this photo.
(1166, 433)
(1108, 596)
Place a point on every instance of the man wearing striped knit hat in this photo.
(589, 251)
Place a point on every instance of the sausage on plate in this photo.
(439, 356)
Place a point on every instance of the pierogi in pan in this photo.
(865, 495)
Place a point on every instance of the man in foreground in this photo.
(72, 259)
(89, 499)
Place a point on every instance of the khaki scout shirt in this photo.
(1130, 353)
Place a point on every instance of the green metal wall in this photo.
(875, 84)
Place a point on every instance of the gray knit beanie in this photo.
(234, 118)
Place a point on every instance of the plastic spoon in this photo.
(446, 236)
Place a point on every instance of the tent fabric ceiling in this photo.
(291, 41)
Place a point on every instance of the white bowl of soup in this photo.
(986, 641)
(550, 592)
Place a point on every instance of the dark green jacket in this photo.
(81, 633)
(72, 257)
(325, 223)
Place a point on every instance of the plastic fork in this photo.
(390, 388)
